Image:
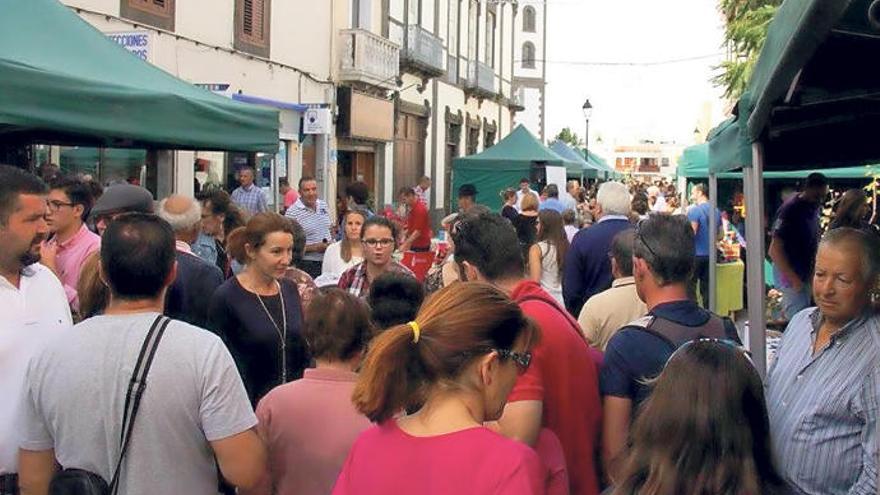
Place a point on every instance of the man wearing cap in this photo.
(467, 197)
(119, 199)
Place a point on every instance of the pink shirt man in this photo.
(70, 257)
(309, 426)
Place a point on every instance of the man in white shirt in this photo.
(524, 188)
(34, 309)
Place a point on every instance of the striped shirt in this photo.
(823, 408)
(251, 200)
(315, 222)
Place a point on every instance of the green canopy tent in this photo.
(600, 163)
(812, 100)
(518, 155)
(588, 170)
(694, 164)
(63, 82)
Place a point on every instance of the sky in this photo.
(660, 102)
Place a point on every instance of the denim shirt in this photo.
(205, 248)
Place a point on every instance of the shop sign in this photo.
(136, 42)
(316, 121)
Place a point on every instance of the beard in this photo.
(32, 255)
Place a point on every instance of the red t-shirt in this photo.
(563, 376)
(419, 220)
(385, 459)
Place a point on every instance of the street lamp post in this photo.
(588, 111)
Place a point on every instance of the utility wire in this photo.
(629, 64)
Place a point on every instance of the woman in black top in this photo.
(508, 211)
(258, 312)
(526, 224)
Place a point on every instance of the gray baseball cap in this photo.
(123, 198)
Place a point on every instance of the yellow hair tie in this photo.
(417, 330)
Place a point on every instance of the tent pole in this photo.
(756, 291)
(712, 297)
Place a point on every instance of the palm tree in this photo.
(746, 30)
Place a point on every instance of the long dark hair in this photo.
(849, 209)
(458, 324)
(704, 430)
(553, 231)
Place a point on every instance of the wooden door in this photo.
(409, 150)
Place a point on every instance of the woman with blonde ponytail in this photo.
(459, 358)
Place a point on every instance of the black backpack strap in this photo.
(136, 386)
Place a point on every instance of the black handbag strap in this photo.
(136, 386)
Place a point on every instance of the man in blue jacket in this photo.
(587, 266)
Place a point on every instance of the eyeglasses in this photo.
(56, 205)
(641, 239)
(378, 242)
(521, 359)
(726, 342)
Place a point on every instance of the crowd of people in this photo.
(559, 346)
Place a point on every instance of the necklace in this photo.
(282, 334)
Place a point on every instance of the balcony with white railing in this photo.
(481, 80)
(368, 59)
(423, 52)
(517, 100)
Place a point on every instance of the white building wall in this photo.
(201, 51)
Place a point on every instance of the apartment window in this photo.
(252, 26)
(488, 139)
(490, 39)
(473, 16)
(452, 27)
(473, 140)
(361, 14)
(529, 19)
(156, 13)
(528, 55)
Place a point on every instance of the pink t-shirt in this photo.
(309, 426)
(72, 255)
(477, 461)
(290, 198)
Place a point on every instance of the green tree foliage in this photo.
(744, 35)
(569, 138)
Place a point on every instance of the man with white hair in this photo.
(188, 297)
(587, 268)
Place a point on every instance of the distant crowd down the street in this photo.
(564, 344)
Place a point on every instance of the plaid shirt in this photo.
(355, 281)
(251, 200)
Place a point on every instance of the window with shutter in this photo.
(156, 13)
(252, 26)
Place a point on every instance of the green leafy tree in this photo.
(744, 36)
(569, 138)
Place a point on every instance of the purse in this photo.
(82, 482)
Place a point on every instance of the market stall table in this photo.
(729, 287)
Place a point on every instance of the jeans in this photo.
(794, 301)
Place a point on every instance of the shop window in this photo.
(108, 165)
(252, 26)
(156, 13)
(528, 55)
(529, 19)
